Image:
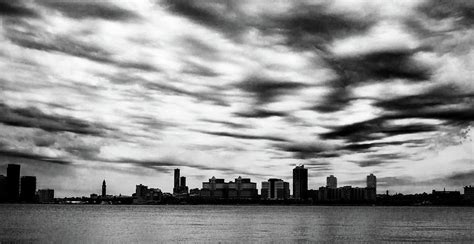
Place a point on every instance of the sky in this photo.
(127, 91)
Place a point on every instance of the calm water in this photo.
(96, 223)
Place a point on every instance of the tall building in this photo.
(104, 189)
(3, 188)
(13, 182)
(182, 181)
(275, 189)
(46, 195)
(371, 181)
(216, 188)
(331, 182)
(300, 182)
(141, 192)
(28, 188)
(176, 181)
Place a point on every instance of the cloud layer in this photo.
(122, 90)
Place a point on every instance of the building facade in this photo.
(45, 195)
(3, 188)
(275, 189)
(104, 189)
(300, 182)
(13, 182)
(28, 189)
(331, 182)
(241, 188)
(469, 193)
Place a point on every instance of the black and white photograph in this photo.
(236, 121)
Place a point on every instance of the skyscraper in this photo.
(176, 181)
(275, 189)
(28, 188)
(371, 181)
(300, 182)
(13, 182)
(104, 189)
(331, 182)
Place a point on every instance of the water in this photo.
(243, 224)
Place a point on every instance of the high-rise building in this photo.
(469, 193)
(275, 189)
(28, 188)
(300, 182)
(104, 189)
(182, 181)
(216, 188)
(13, 182)
(141, 192)
(371, 181)
(3, 188)
(46, 195)
(331, 182)
(176, 181)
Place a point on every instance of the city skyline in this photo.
(129, 91)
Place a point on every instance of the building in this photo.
(143, 194)
(331, 182)
(13, 182)
(45, 195)
(242, 188)
(104, 189)
(371, 190)
(469, 193)
(176, 181)
(3, 188)
(179, 187)
(275, 189)
(28, 189)
(300, 182)
(215, 188)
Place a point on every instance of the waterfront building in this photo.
(13, 182)
(216, 188)
(176, 181)
(331, 182)
(28, 189)
(242, 188)
(3, 188)
(371, 190)
(275, 189)
(140, 193)
(300, 182)
(45, 195)
(469, 193)
(104, 189)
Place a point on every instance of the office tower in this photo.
(141, 193)
(182, 182)
(3, 188)
(13, 182)
(28, 188)
(216, 188)
(371, 181)
(331, 182)
(104, 189)
(46, 195)
(300, 182)
(469, 193)
(275, 189)
(176, 181)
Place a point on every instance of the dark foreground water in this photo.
(243, 224)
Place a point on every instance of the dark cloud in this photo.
(461, 11)
(244, 136)
(90, 9)
(309, 27)
(373, 129)
(371, 67)
(363, 147)
(32, 156)
(443, 102)
(260, 113)
(16, 9)
(307, 150)
(34, 118)
(266, 90)
(219, 15)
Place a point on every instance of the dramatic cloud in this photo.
(128, 91)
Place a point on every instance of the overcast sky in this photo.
(129, 90)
